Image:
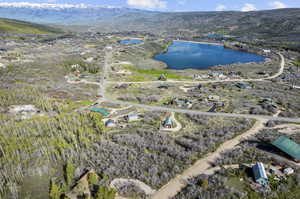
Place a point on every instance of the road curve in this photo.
(175, 185)
(280, 71)
(103, 82)
(203, 165)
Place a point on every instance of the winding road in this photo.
(280, 71)
(201, 166)
(103, 83)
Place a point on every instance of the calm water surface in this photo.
(131, 41)
(185, 55)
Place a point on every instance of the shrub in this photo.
(54, 192)
(69, 172)
(105, 192)
(93, 178)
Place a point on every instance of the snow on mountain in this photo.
(49, 5)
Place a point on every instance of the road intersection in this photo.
(104, 82)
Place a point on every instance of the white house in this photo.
(132, 117)
(288, 171)
(266, 50)
(110, 124)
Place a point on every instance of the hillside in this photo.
(274, 25)
(21, 27)
(281, 23)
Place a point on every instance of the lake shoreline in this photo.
(201, 42)
(252, 57)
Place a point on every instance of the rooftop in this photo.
(288, 146)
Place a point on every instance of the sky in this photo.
(181, 5)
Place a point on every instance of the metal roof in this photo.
(102, 111)
(168, 121)
(259, 171)
(288, 146)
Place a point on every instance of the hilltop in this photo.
(22, 27)
(275, 25)
(281, 23)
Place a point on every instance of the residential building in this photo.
(289, 147)
(288, 171)
(242, 85)
(162, 77)
(214, 98)
(163, 86)
(110, 123)
(102, 111)
(132, 117)
(259, 173)
(168, 123)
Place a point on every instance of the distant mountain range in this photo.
(280, 24)
(63, 14)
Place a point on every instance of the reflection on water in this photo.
(184, 55)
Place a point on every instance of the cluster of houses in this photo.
(260, 173)
(112, 123)
(180, 102)
(212, 75)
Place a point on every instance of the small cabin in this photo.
(259, 173)
(214, 98)
(132, 118)
(168, 123)
(102, 111)
(162, 77)
(163, 86)
(110, 124)
(242, 85)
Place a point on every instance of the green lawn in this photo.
(154, 72)
(14, 26)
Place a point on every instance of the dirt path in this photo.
(201, 166)
(119, 182)
(287, 128)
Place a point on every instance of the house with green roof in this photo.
(102, 111)
(288, 146)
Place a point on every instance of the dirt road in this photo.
(203, 165)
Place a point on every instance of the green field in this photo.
(21, 27)
(154, 72)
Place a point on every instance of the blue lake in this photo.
(185, 55)
(131, 41)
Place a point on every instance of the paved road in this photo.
(160, 108)
(195, 112)
(176, 184)
(104, 75)
(280, 71)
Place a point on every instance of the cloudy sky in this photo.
(181, 5)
